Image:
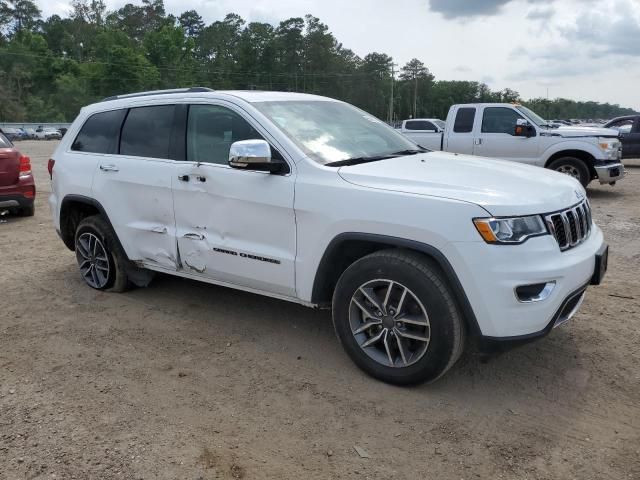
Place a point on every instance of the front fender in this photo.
(572, 145)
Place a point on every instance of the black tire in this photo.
(28, 211)
(425, 280)
(117, 279)
(573, 167)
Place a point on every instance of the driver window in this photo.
(623, 126)
(499, 120)
(211, 130)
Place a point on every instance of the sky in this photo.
(578, 49)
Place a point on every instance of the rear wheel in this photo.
(397, 319)
(101, 261)
(573, 167)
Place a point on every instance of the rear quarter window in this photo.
(100, 132)
(464, 120)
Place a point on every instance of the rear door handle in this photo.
(477, 141)
(183, 178)
(109, 168)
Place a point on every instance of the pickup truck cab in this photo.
(513, 132)
(311, 200)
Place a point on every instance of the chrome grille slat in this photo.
(572, 226)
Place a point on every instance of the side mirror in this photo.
(252, 155)
(524, 129)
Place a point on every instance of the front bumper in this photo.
(489, 275)
(610, 172)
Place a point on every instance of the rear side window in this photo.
(147, 132)
(419, 125)
(99, 134)
(464, 120)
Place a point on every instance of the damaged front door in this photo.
(136, 186)
(232, 226)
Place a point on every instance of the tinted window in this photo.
(419, 125)
(4, 142)
(464, 120)
(147, 131)
(211, 130)
(99, 134)
(499, 120)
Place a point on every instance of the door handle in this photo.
(183, 178)
(109, 168)
(477, 141)
(194, 236)
(202, 178)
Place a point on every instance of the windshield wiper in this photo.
(411, 151)
(358, 160)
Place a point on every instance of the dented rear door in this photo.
(134, 186)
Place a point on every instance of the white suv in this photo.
(311, 200)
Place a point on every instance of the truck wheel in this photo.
(397, 319)
(101, 261)
(574, 167)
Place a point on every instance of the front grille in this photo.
(570, 227)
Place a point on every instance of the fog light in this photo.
(536, 292)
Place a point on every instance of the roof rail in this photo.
(159, 92)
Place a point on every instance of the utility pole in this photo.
(393, 75)
(415, 98)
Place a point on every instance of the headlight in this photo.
(510, 230)
(609, 146)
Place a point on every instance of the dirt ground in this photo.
(184, 380)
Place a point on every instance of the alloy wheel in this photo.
(389, 323)
(569, 170)
(93, 260)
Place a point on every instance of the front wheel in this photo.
(574, 167)
(397, 319)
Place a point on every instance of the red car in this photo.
(17, 187)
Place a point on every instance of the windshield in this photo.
(440, 123)
(534, 117)
(330, 131)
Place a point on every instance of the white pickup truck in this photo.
(513, 132)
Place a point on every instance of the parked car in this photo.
(422, 125)
(513, 132)
(17, 187)
(48, 133)
(629, 131)
(31, 133)
(12, 134)
(311, 200)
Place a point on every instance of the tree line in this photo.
(50, 68)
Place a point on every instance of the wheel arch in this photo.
(73, 210)
(346, 248)
(582, 155)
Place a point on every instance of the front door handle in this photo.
(183, 178)
(477, 141)
(109, 168)
(194, 236)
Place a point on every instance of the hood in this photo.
(503, 188)
(570, 132)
